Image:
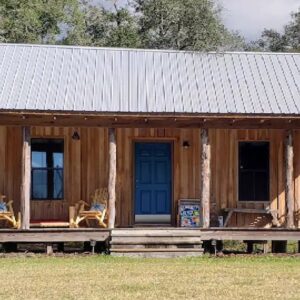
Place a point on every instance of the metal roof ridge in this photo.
(147, 50)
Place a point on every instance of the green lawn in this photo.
(104, 277)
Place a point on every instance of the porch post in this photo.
(205, 177)
(289, 169)
(112, 177)
(26, 178)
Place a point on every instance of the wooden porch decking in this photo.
(53, 235)
(49, 235)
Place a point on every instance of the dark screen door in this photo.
(254, 171)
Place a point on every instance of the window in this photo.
(254, 171)
(47, 167)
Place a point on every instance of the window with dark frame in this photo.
(47, 169)
(254, 171)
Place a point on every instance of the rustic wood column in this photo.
(289, 169)
(205, 177)
(112, 177)
(26, 179)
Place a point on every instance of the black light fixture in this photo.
(76, 136)
(186, 144)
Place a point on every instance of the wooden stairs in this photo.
(159, 242)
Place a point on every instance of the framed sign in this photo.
(189, 212)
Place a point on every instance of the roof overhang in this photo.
(142, 120)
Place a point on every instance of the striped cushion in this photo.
(3, 207)
(97, 207)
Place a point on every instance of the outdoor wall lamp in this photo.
(186, 144)
(76, 136)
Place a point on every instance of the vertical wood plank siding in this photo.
(86, 168)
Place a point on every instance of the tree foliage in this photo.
(183, 25)
(288, 41)
(122, 29)
(166, 24)
(292, 32)
(36, 21)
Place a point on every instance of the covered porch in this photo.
(204, 165)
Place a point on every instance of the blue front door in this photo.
(153, 181)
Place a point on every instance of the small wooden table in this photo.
(267, 211)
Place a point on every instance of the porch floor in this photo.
(52, 235)
(45, 235)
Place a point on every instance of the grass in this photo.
(105, 277)
(238, 246)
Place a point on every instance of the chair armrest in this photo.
(81, 204)
(9, 205)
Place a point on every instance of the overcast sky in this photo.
(250, 17)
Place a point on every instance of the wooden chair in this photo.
(97, 210)
(9, 215)
(264, 211)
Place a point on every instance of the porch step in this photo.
(159, 242)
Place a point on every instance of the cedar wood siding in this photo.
(86, 168)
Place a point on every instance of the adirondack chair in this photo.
(97, 210)
(7, 213)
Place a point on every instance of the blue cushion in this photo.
(97, 207)
(3, 207)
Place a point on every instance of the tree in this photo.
(272, 40)
(75, 26)
(95, 25)
(115, 27)
(164, 24)
(183, 25)
(36, 21)
(232, 41)
(292, 32)
(122, 29)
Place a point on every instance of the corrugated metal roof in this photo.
(83, 79)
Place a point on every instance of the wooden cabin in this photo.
(154, 127)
